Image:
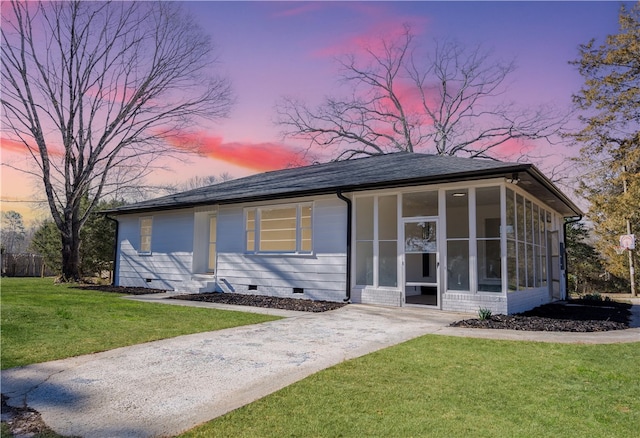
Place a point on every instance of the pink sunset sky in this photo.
(272, 49)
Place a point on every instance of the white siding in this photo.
(169, 264)
(322, 275)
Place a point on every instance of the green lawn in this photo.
(42, 321)
(437, 386)
(433, 386)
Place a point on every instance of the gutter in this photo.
(115, 250)
(567, 221)
(349, 235)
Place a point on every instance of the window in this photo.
(457, 239)
(420, 204)
(377, 241)
(305, 229)
(278, 230)
(282, 229)
(387, 241)
(145, 235)
(512, 267)
(488, 239)
(527, 246)
(250, 227)
(211, 260)
(364, 241)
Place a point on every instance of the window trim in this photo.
(540, 250)
(481, 278)
(375, 240)
(140, 221)
(257, 219)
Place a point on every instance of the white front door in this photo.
(421, 261)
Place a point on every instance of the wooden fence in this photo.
(24, 265)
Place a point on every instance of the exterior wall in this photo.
(179, 249)
(378, 297)
(471, 302)
(168, 266)
(521, 301)
(321, 275)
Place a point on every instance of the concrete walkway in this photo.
(165, 387)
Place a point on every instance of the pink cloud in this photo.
(514, 148)
(258, 156)
(371, 40)
(8, 15)
(13, 146)
(410, 97)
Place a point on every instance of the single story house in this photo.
(402, 229)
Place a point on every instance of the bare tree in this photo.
(91, 89)
(13, 232)
(446, 103)
(195, 182)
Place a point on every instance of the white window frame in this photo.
(375, 196)
(299, 228)
(142, 251)
(541, 272)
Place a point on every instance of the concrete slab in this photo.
(165, 387)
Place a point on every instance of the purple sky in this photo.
(271, 49)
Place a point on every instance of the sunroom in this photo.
(457, 247)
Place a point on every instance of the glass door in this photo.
(421, 261)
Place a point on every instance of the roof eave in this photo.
(462, 176)
(549, 185)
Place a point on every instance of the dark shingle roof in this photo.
(391, 170)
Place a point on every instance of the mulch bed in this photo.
(578, 315)
(301, 305)
(24, 421)
(572, 316)
(120, 289)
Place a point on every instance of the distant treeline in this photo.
(24, 265)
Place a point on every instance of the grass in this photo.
(440, 386)
(42, 321)
(432, 386)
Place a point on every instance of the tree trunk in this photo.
(71, 253)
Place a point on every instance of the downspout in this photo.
(568, 221)
(115, 250)
(349, 218)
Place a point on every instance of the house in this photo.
(402, 229)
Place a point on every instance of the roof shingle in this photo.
(390, 170)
